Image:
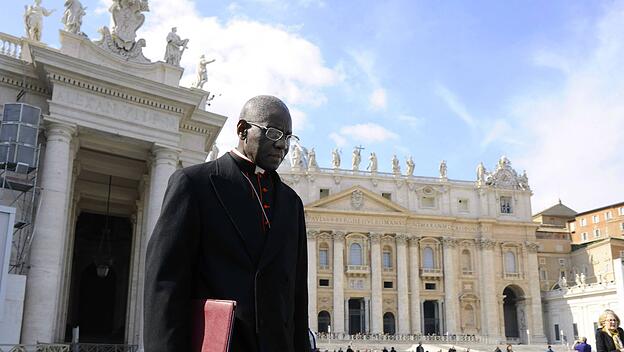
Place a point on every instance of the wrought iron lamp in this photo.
(103, 259)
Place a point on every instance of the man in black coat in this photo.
(230, 229)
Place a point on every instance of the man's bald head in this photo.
(258, 114)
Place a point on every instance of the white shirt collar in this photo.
(258, 170)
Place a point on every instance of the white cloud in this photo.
(499, 130)
(412, 121)
(103, 6)
(378, 99)
(367, 133)
(454, 104)
(338, 139)
(575, 132)
(252, 58)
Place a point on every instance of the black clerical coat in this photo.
(204, 246)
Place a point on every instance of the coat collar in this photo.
(232, 189)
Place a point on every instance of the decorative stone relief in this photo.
(401, 238)
(414, 240)
(375, 237)
(339, 236)
(504, 176)
(485, 243)
(312, 234)
(532, 247)
(121, 40)
(357, 199)
(450, 242)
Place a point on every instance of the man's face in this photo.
(262, 151)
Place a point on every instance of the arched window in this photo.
(388, 323)
(355, 254)
(510, 262)
(324, 255)
(428, 258)
(387, 258)
(466, 261)
(324, 319)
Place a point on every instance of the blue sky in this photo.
(464, 81)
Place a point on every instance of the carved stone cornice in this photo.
(339, 235)
(450, 242)
(20, 83)
(401, 238)
(532, 247)
(485, 243)
(375, 237)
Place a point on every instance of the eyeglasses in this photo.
(274, 134)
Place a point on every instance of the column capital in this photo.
(312, 234)
(414, 240)
(339, 235)
(61, 132)
(532, 247)
(485, 243)
(450, 242)
(165, 154)
(401, 238)
(375, 237)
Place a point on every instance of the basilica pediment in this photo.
(357, 199)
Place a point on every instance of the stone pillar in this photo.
(367, 314)
(535, 305)
(376, 301)
(414, 255)
(338, 274)
(312, 281)
(164, 164)
(134, 329)
(43, 285)
(451, 299)
(402, 285)
(346, 316)
(489, 292)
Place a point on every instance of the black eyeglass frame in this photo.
(287, 137)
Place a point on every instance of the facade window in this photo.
(324, 282)
(584, 236)
(430, 286)
(387, 259)
(621, 254)
(510, 262)
(596, 232)
(323, 192)
(387, 195)
(622, 226)
(542, 261)
(572, 227)
(575, 330)
(427, 202)
(595, 219)
(608, 215)
(621, 210)
(562, 261)
(505, 205)
(324, 257)
(428, 258)
(462, 205)
(543, 274)
(387, 284)
(557, 335)
(466, 261)
(583, 222)
(355, 254)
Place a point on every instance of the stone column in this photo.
(489, 292)
(43, 284)
(134, 328)
(377, 299)
(164, 164)
(414, 252)
(338, 274)
(367, 314)
(347, 316)
(312, 281)
(402, 285)
(535, 305)
(451, 299)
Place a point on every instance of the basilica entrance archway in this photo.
(431, 315)
(514, 313)
(356, 316)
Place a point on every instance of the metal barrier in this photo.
(77, 347)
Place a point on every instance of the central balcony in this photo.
(357, 270)
(430, 272)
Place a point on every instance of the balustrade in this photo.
(10, 46)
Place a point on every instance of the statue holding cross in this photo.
(357, 158)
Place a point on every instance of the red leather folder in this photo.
(212, 325)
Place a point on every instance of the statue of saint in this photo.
(72, 17)
(202, 73)
(443, 169)
(175, 47)
(582, 278)
(214, 153)
(312, 165)
(295, 157)
(410, 166)
(356, 158)
(336, 158)
(563, 282)
(372, 163)
(523, 181)
(481, 173)
(33, 19)
(396, 168)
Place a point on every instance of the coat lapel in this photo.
(282, 215)
(232, 191)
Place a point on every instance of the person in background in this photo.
(549, 349)
(609, 335)
(581, 345)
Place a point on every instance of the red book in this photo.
(212, 325)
